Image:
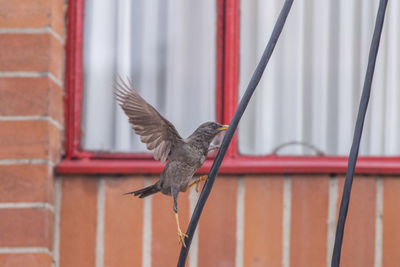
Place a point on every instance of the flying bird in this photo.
(184, 155)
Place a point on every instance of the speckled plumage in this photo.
(185, 155)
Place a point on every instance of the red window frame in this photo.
(78, 160)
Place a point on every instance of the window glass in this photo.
(310, 92)
(166, 48)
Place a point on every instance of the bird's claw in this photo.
(181, 237)
(197, 185)
(197, 182)
(202, 178)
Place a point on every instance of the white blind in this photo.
(311, 88)
(167, 49)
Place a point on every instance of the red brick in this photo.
(55, 143)
(26, 183)
(309, 215)
(33, 14)
(391, 222)
(57, 62)
(263, 221)
(31, 97)
(78, 221)
(55, 100)
(26, 228)
(25, 13)
(217, 226)
(123, 223)
(23, 260)
(58, 16)
(29, 139)
(164, 228)
(359, 233)
(31, 52)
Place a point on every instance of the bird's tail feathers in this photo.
(144, 192)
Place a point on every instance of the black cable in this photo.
(232, 128)
(344, 205)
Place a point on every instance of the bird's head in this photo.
(209, 130)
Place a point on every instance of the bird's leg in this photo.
(181, 235)
(200, 179)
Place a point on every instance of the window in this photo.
(311, 89)
(186, 58)
(167, 49)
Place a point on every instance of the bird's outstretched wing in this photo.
(154, 130)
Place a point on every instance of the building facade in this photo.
(62, 205)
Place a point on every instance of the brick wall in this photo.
(32, 36)
(248, 221)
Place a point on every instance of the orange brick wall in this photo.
(248, 221)
(32, 37)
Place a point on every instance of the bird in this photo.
(184, 156)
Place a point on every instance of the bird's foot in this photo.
(202, 178)
(197, 182)
(181, 237)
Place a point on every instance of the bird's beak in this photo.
(223, 128)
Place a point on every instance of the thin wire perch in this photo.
(344, 204)
(232, 128)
